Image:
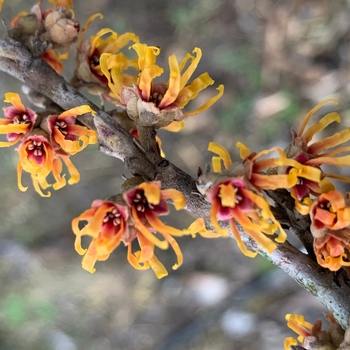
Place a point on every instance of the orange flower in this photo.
(126, 218)
(310, 333)
(39, 159)
(147, 201)
(69, 136)
(232, 201)
(314, 155)
(160, 104)
(235, 194)
(89, 69)
(107, 225)
(19, 121)
(330, 217)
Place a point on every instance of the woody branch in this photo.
(19, 62)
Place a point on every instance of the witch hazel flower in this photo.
(66, 134)
(47, 142)
(161, 105)
(311, 336)
(39, 159)
(236, 195)
(330, 227)
(103, 49)
(107, 225)
(19, 121)
(314, 156)
(131, 217)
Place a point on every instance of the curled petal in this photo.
(145, 231)
(14, 128)
(176, 196)
(191, 91)
(73, 171)
(198, 226)
(244, 151)
(10, 143)
(37, 187)
(312, 112)
(288, 342)
(19, 178)
(173, 84)
(329, 142)
(215, 207)
(176, 249)
(273, 182)
(133, 260)
(185, 77)
(152, 192)
(14, 98)
(319, 126)
(86, 27)
(222, 152)
(147, 248)
(216, 164)
(240, 243)
(56, 171)
(208, 104)
(76, 111)
(160, 227)
(175, 126)
(157, 267)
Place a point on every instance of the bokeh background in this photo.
(277, 59)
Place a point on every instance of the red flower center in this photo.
(21, 119)
(36, 151)
(61, 125)
(157, 93)
(113, 217)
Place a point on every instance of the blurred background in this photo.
(277, 59)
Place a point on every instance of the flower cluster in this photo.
(313, 155)
(236, 196)
(130, 217)
(330, 217)
(45, 142)
(311, 336)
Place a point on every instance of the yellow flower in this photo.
(161, 104)
(311, 179)
(106, 43)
